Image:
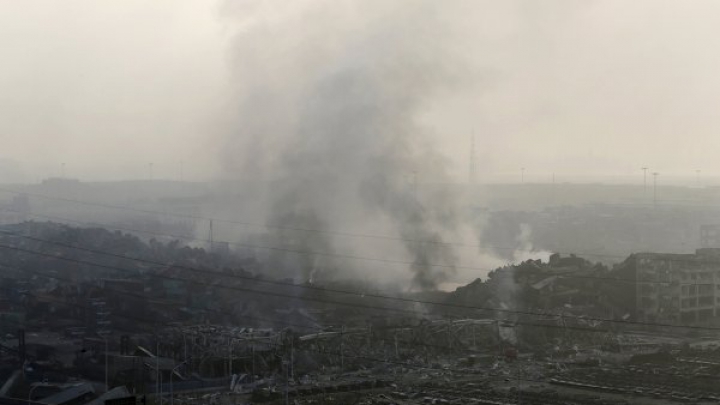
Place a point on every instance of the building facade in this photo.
(678, 288)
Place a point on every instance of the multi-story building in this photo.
(677, 288)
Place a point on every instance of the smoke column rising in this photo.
(328, 100)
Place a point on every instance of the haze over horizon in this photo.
(579, 90)
(359, 202)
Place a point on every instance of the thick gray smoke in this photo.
(329, 103)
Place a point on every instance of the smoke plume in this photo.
(329, 101)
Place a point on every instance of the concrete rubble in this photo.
(163, 333)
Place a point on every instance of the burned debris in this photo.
(88, 315)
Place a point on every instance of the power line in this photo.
(344, 234)
(339, 353)
(564, 327)
(250, 278)
(155, 323)
(545, 314)
(273, 248)
(355, 257)
(520, 323)
(190, 238)
(288, 250)
(359, 294)
(305, 252)
(565, 275)
(225, 220)
(243, 223)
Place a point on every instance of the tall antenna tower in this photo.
(472, 168)
(212, 241)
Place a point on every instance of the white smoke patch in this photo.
(508, 290)
(476, 260)
(526, 250)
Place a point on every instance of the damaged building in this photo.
(675, 288)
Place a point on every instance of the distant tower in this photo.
(655, 174)
(472, 169)
(212, 242)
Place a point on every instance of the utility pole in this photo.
(158, 387)
(107, 386)
(101, 319)
(644, 169)
(230, 357)
(655, 174)
(172, 391)
(517, 370)
(287, 383)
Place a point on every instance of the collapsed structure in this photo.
(89, 315)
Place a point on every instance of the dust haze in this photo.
(359, 202)
(584, 91)
(344, 116)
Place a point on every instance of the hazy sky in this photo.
(571, 87)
